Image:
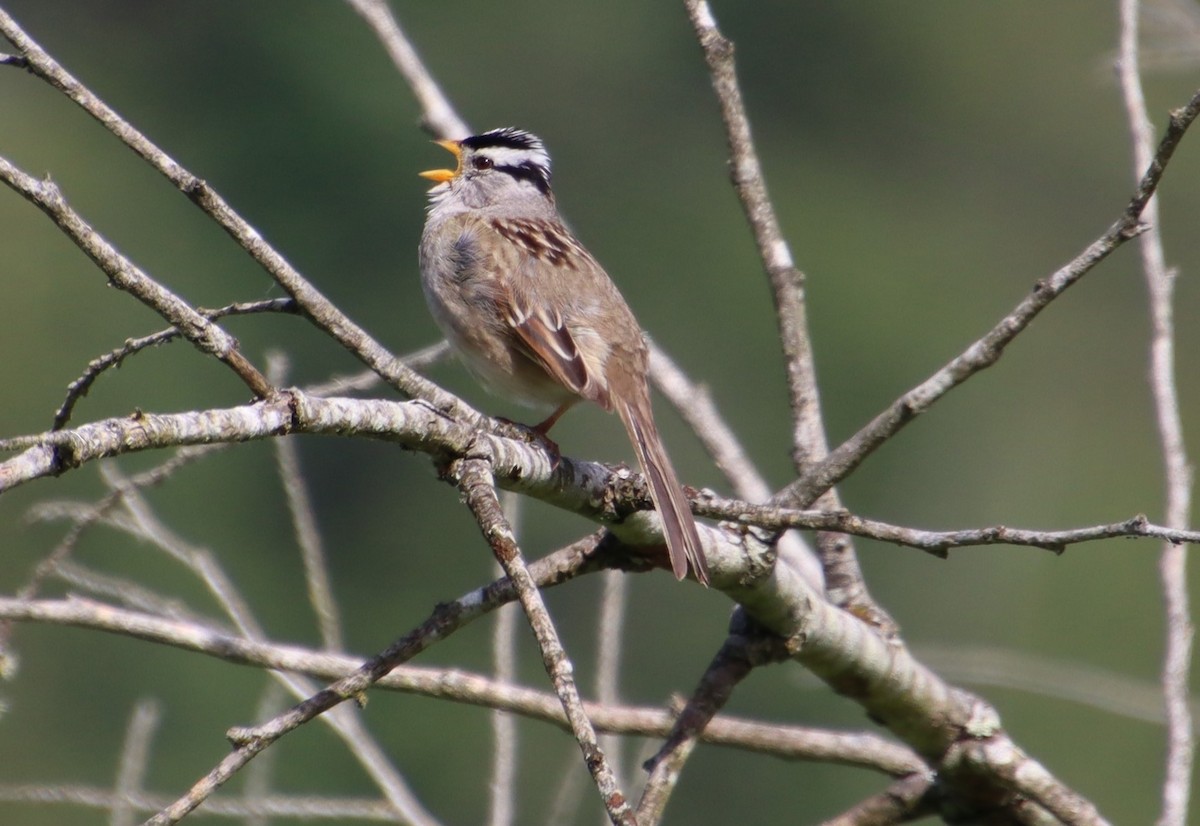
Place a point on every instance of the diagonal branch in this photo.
(787, 282)
(79, 388)
(124, 274)
(987, 350)
(315, 305)
(478, 487)
(737, 657)
(843, 578)
(437, 115)
(905, 800)
(446, 618)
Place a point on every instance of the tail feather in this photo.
(679, 526)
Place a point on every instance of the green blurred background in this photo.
(929, 162)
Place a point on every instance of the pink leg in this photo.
(543, 427)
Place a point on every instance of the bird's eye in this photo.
(483, 162)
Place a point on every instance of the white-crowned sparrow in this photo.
(532, 313)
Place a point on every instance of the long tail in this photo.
(679, 526)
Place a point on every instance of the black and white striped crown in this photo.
(515, 152)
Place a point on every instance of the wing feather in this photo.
(539, 328)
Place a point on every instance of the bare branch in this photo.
(842, 577)
(278, 806)
(418, 360)
(1160, 282)
(935, 542)
(124, 274)
(308, 538)
(617, 498)
(905, 800)
(987, 350)
(314, 304)
(124, 591)
(860, 750)
(475, 481)
(134, 759)
(79, 388)
(735, 660)
(437, 115)
(249, 742)
(348, 727)
(197, 560)
(502, 786)
(787, 282)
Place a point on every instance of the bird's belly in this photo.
(504, 370)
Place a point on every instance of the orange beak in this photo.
(444, 175)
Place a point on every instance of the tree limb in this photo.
(474, 477)
(315, 305)
(1160, 283)
(786, 742)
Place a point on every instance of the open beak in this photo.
(444, 175)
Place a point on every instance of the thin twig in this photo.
(57, 557)
(735, 660)
(935, 542)
(476, 483)
(905, 800)
(779, 740)
(308, 538)
(446, 618)
(842, 577)
(315, 305)
(502, 787)
(207, 336)
(610, 642)
(987, 350)
(80, 386)
(418, 360)
(787, 282)
(297, 807)
(126, 592)
(197, 560)
(437, 115)
(349, 728)
(135, 757)
(1160, 283)
(695, 404)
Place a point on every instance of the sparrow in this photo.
(534, 316)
